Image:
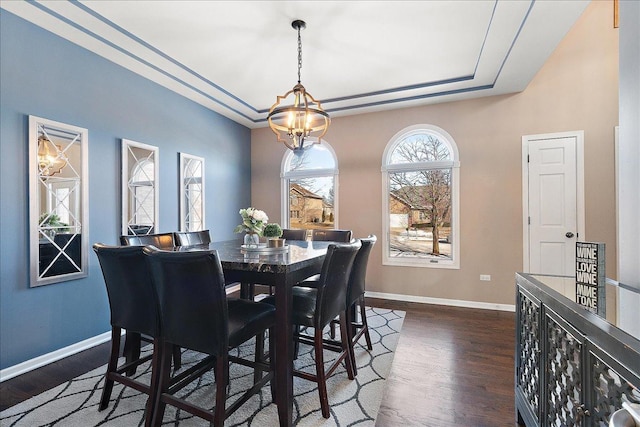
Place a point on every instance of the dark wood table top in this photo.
(300, 254)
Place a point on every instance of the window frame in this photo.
(286, 176)
(387, 168)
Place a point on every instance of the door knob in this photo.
(569, 234)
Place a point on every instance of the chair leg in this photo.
(246, 291)
(347, 345)
(296, 341)
(177, 357)
(363, 315)
(222, 373)
(156, 360)
(320, 374)
(272, 362)
(111, 367)
(162, 385)
(131, 351)
(259, 357)
(350, 337)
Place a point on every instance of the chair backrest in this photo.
(190, 238)
(161, 240)
(132, 298)
(356, 286)
(294, 234)
(343, 236)
(193, 302)
(331, 299)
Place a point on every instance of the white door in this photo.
(553, 206)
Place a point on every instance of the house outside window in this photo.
(309, 183)
(420, 172)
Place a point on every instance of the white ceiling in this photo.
(234, 57)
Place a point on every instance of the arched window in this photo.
(420, 171)
(309, 188)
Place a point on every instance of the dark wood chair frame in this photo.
(330, 296)
(355, 297)
(217, 358)
(123, 288)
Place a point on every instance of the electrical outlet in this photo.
(485, 277)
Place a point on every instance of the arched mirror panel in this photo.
(139, 188)
(191, 193)
(58, 182)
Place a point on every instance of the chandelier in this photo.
(50, 157)
(301, 116)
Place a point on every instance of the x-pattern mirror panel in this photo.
(139, 188)
(191, 193)
(58, 201)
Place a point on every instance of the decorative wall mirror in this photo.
(58, 201)
(191, 193)
(139, 188)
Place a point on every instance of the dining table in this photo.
(280, 268)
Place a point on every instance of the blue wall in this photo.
(47, 76)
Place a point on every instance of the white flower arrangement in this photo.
(253, 221)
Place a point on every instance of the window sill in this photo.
(421, 263)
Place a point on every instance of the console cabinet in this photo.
(573, 367)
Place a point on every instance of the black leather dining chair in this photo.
(343, 236)
(355, 297)
(134, 307)
(195, 314)
(294, 233)
(316, 307)
(161, 240)
(190, 238)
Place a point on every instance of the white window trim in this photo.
(454, 164)
(286, 177)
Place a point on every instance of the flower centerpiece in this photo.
(253, 222)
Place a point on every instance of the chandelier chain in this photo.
(299, 54)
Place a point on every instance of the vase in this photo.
(251, 240)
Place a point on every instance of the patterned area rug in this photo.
(353, 403)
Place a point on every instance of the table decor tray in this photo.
(264, 249)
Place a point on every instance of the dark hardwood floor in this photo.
(452, 367)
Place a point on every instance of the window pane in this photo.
(311, 202)
(420, 214)
(422, 147)
(316, 156)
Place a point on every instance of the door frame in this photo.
(580, 214)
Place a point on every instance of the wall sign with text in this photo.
(590, 276)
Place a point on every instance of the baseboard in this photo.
(45, 359)
(441, 301)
